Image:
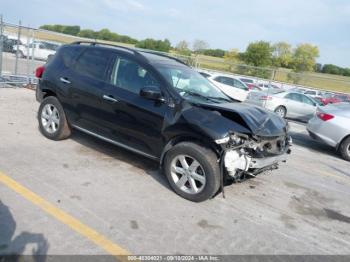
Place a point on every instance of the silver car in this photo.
(331, 125)
(285, 103)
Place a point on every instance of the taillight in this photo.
(265, 98)
(324, 116)
(39, 71)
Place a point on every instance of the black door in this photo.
(87, 82)
(133, 120)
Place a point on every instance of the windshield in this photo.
(191, 85)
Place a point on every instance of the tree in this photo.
(214, 52)
(200, 45)
(282, 54)
(183, 48)
(158, 45)
(232, 56)
(88, 33)
(71, 30)
(258, 54)
(304, 57)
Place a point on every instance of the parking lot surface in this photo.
(301, 208)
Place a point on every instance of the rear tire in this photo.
(52, 119)
(344, 149)
(281, 111)
(192, 171)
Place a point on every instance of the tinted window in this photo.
(93, 63)
(294, 96)
(246, 80)
(307, 100)
(69, 54)
(129, 75)
(240, 85)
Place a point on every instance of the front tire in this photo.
(52, 119)
(344, 149)
(281, 111)
(192, 171)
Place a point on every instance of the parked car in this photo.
(231, 86)
(266, 86)
(314, 93)
(39, 50)
(330, 98)
(343, 98)
(132, 99)
(9, 43)
(286, 104)
(331, 125)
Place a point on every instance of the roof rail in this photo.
(134, 50)
(104, 44)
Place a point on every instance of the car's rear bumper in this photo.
(319, 129)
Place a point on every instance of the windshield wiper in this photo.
(208, 98)
(220, 98)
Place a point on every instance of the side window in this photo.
(306, 100)
(294, 97)
(93, 63)
(227, 81)
(240, 85)
(69, 54)
(129, 75)
(218, 78)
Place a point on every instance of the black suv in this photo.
(157, 106)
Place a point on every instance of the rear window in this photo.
(93, 63)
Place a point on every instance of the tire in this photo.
(58, 128)
(208, 171)
(344, 149)
(281, 111)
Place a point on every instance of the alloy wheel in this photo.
(187, 174)
(50, 118)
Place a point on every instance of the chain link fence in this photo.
(23, 49)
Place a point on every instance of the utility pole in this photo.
(17, 50)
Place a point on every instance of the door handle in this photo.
(64, 80)
(110, 99)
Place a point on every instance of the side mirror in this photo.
(152, 93)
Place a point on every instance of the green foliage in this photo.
(158, 45)
(214, 52)
(65, 29)
(232, 56)
(88, 33)
(304, 57)
(335, 70)
(282, 55)
(103, 34)
(258, 54)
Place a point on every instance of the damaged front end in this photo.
(250, 155)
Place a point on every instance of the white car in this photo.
(231, 86)
(39, 50)
(314, 93)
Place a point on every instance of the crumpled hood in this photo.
(258, 120)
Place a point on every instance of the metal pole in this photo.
(1, 43)
(17, 49)
(27, 56)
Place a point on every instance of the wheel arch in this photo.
(341, 141)
(189, 138)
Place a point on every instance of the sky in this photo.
(223, 24)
